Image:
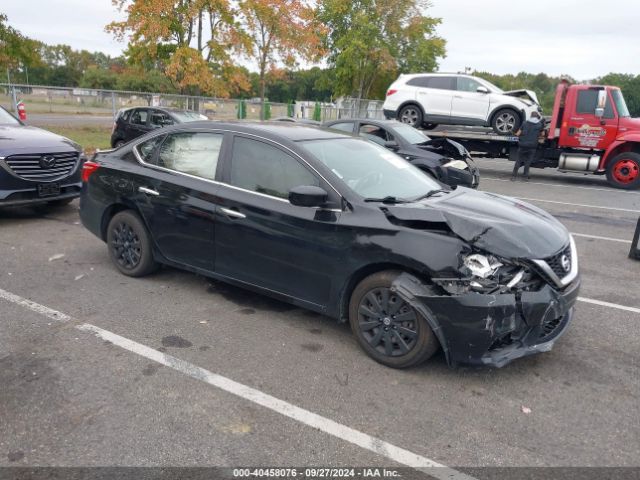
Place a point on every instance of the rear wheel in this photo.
(387, 328)
(506, 121)
(129, 245)
(118, 143)
(623, 171)
(411, 115)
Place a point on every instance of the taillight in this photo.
(87, 170)
(391, 92)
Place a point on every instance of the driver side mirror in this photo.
(308, 196)
(602, 100)
(392, 145)
(482, 89)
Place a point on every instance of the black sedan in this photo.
(134, 122)
(445, 160)
(36, 166)
(336, 224)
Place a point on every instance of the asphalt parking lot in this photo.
(97, 395)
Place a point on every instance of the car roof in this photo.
(292, 131)
(386, 122)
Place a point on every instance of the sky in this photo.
(581, 38)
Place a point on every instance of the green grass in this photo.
(90, 137)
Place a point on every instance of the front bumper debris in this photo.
(491, 329)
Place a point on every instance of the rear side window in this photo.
(125, 115)
(345, 127)
(442, 83)
(194, 153)
(147, 149)
(418, 82)
(588, 101)
(263, 168)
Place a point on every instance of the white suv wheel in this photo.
(506, 122)
(410, 116)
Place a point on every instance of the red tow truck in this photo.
(590, 131)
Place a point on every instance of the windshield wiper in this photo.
(431, 194)
(387, 199)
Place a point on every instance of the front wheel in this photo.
(623, 171)
(129, 245)
(411, 115)
(387, 328)
(506, 121)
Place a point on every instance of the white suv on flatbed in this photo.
(430, 99)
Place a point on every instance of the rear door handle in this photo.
(232, 213)
(148, 191)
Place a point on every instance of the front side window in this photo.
(466, 84)
(369, 170)
(263, 168)
(588, 101)
(194, 153)
(160, 119)
(139, 117)
(375, 134)
(410, 135)
(344, 127)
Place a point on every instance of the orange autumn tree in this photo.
(192, 41)
(280, 32)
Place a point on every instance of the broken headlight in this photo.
(457, 164)
(484, 273)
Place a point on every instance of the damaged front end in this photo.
(496, 311)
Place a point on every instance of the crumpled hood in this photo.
(522, 93)
(23, 139)
(500, 225)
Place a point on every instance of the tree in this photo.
(630, 86)
(372, 41)
(192, 41)
(279, 32)
(16, 50)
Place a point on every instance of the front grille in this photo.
(549, 326)
(31, 167)
(555, 262)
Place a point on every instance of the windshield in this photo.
(410, 134)
(7, 118)
(184, 116)
(621, 105)
(492, 87)
(369, 170)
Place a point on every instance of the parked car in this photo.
(306, 121)
(339, 225)
(36, 166)
(445, 160)
(131, 123)
(430, 99)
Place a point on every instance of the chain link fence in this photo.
(85, 101)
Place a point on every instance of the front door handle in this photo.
(148, 191)
(232, 213)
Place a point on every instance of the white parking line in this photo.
(598, 237)
(578, 204)
(564, 185)
(306, 417)
(610, 305)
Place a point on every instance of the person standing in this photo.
(529, 135)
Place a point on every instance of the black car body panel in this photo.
(430, 156)
(37, 166)
(314, 257)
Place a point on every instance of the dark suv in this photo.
(36, 166)
(131, 123)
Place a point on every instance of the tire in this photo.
(623, 171)
(61, 203)
(411, 115)
(506, 121)
(129, 245)
(118, 143)
(406, 349)
(429, 126)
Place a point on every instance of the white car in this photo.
(429, 99)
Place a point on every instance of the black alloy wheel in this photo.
(387, 328)
(129, 245)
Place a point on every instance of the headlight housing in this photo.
(486, 273)
(457, 164)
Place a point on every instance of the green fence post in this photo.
(317, 113)
(290, 109)
(242, 110)
(266, 108)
